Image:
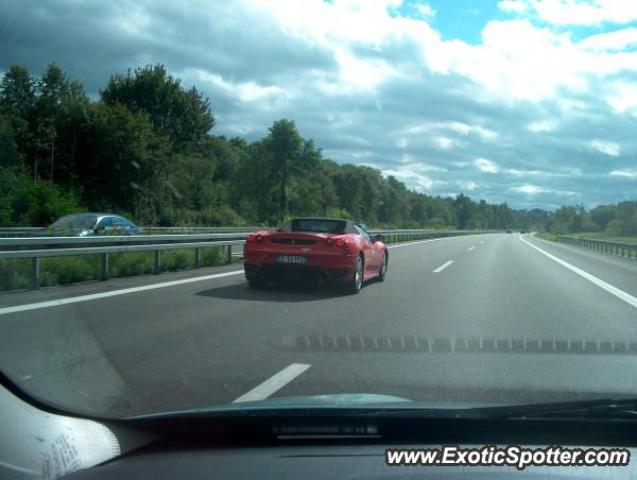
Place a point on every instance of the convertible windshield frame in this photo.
(318, 225)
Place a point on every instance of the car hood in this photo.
(331, 401)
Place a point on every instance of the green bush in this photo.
(130, 264)
(60, 271)
(175, 260)
(14, 274)
(213, 256)
(220, 216)
(337, 213)
(23, 202)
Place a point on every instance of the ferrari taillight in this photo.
(259, 238)
(340, 242)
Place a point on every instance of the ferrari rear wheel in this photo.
(356, 283)
(256, 282)
(382, 272)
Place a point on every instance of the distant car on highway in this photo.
(332, 249)
(90, 224)
(509, 231)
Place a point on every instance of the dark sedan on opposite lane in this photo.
(89, 224)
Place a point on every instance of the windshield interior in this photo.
(475, 161)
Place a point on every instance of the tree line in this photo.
(614, 220)
(145, 149)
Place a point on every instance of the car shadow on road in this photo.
(275, 292)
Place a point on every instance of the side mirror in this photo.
(378, 238)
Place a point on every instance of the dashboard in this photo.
(36, 442)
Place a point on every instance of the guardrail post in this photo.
(229, 254)
(157, 262)
(104, 266)
(197, 257)
(35, 273)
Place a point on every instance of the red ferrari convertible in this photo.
(334, 250)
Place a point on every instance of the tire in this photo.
(355, 285)
(382, 272)
(256, 283)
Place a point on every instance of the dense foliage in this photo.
(614, 220)
(145, 149)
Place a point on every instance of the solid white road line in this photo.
(626, 297)
(113, 293)
(443, 266)
(470, 248)
(274, 383)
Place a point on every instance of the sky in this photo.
(532, 102)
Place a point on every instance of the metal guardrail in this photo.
(19, 232)
(36, 248)
(627, 250)
(92, 241)
(189, 230)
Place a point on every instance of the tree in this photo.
(60, 109)
(9, 156)
(17, 102)
(24, 203)
(184, 116)
(126, 164)
(602, 215)
(464, 210)
(285, 147)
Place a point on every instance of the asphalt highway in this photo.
(484, 318)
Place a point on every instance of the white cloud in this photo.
(357, 73)
(411, 164)
(460, 128)
(532, 190)
(523, 173)
(584, 12)
(542, 126)
(617, 40)
(516, 6)
(443, 143)
(518, 60)
(402, 143)
(607, 148)
(623, 97)
(624, 173)
(415, 180)
(425, 10)
(465, 129)
(486, 165)
(244, 91)
(528, 189)
(468, 185)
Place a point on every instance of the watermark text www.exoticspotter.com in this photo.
(511, 455)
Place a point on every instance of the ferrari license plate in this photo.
(291, 259)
